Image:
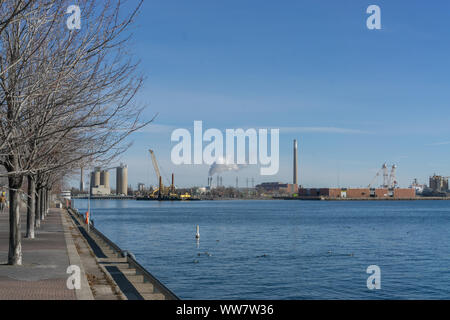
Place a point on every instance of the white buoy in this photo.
(197, 235)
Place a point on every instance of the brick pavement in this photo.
(45, 260)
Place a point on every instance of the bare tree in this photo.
(9, 10)
(67, 97)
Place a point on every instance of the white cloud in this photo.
(439, 143)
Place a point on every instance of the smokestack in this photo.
(295, 179)
(172, 187)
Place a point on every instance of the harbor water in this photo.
(285, 249)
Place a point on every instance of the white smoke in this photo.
(221, 165)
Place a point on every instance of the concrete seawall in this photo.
(363, 199)
(133, 280)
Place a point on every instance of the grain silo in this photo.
(122, 180)
(97, 177)
(104, 179)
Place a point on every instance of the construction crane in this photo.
(155, 165)
(161, 191)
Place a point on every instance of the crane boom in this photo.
(374, 179)
(155, 165)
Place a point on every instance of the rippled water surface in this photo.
(285, 249)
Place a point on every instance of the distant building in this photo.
(100, 182)
(420, 188)
(277, 187)
(100, 191)
(358, 193)
(438, 183)
(141, 187)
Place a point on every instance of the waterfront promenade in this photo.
(43, 275)
(45, 261)
(62, 241)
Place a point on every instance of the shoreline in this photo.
(275, 198)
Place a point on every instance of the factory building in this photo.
(122, 180)
(358, 193)
(100, 182)
(141, 187)
(277, 187)
(439, 183)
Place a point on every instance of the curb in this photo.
(85, 292)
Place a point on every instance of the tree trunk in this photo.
(15, 246)
(46, 202)
(37, 213)
(31, 207)
(41, 204)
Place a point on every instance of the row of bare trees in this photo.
(66, 97)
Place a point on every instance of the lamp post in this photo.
(88, 218)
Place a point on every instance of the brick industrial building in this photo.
(358, 193)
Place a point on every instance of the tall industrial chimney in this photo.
(295, 179)
(172, 186)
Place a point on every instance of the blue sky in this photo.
(354, 98)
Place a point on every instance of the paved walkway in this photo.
(63, 241)
(45, 260)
